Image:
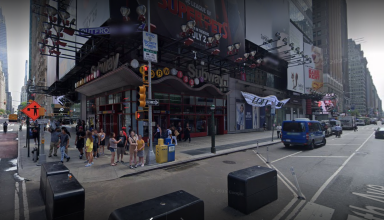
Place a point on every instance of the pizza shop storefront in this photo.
(114, 104)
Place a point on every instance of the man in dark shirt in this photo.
(121, 146)
(64, 144)
(79, 142)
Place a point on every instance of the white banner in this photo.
(258, 101)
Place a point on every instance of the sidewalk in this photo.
(198, 149)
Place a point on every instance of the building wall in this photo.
(4, 58)
(2, 90)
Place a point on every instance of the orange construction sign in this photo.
(32, 110)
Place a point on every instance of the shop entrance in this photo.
(162, 121)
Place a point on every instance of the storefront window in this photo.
(210, 101)
(134, 92)
(201, 124)
(127, 107)
(160, 108)
(118, 98)
(219, 111)
(200, 101)
(127, 96)
(91, 107)
(175, 119)
(110, 99)
(189, 109)
(102, 100)
(219, 102)
(163, 98)
(200, 110)
(175, 99)
(191, 120)
(176, 109)
(190, 100)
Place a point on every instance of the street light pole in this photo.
(213, 148)
(151, 158)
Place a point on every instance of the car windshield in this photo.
(294, 127)
(333, 123)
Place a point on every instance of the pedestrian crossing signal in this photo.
(139, 115)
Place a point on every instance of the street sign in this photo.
(152, 102)
(273, 108)
(42, 121)
(150, 41)
(122, 29)
(150, 55)
(32, 110)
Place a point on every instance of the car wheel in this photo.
(324, 142)
(287, 145)
(312, 145)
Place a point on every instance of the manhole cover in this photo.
(229, 162)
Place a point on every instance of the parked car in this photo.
(303, 133)
(66, 121)
(360, 122)
(327, 128)
(379, 133)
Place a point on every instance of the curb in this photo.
(201, 157)
(18, 153)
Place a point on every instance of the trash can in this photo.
(168, 141)
(171, 152)
(161, 153)
(251, 188)
(173, 206)
(65, 198)
(50, 169)
(160, 141)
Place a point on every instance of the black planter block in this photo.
(174, 206)
(251, 188)
(65, 198)
(50, 169)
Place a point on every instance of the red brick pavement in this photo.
(8, 145)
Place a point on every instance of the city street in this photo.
(342, 180)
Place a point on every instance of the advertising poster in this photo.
(248, 117)
(261, 116)
(295, 81)
(240, 116)
(313, 71)
(255, 117)
(212, 16)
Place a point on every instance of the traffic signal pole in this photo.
(151, 158)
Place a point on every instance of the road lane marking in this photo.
(25, 202)
(286, 156)
(17, 209)
(323, 156)
(321, 189)
(296, 210)
(285, 209)
(315, 211)
(343, 144)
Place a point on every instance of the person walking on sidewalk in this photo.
(158, 132)
(5, 127)
(132, 149)
(175, 133)
(180, 130)
(79, 142)
(278, 130)
(89, 148)
(96, 143)
(102, 141)
(55, 137)
(112, 147)
(140, 151)
(35, 135)
(187, 133)
(265, 126)
(64, 144)
(121, 146)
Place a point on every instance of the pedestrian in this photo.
(121, 146)
(126, 147)
(175, 133)
(112, 147)
(5, 127)
(96, 143)
(102, 141)
(64, 144)
(140, 151)
(35, 135)
(132, 149)
(79, 142)
(158, 132)
(180, 130)
(55, 137)
(265, 126)
(187, 133)
(89, 148)
(278, 130)
(169, 133)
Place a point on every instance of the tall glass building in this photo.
(3, 47)
(300, 14)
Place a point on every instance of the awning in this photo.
(124, 76)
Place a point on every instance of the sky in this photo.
(365, 20)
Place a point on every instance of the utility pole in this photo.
(151, 158)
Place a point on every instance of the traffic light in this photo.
(141, 96)
(144, 72)
(139, 115)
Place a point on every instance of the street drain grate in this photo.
(229, 162)
(180, 167)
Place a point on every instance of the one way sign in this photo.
(152, 102)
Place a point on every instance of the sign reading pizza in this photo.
(32, 110)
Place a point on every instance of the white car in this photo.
(360, 122)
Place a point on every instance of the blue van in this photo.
(303, 132)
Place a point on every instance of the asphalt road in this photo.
(342, 180)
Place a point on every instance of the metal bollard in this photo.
(267, 154)
(300, 194)
(257, 148)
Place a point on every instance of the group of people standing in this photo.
(174, 133)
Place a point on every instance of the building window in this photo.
(175, 99)
(110, 99)
(319, 24)
(318, 42)
(318, 33)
